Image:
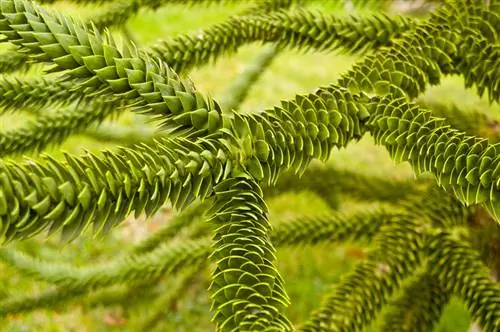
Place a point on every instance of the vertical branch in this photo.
(247, 290)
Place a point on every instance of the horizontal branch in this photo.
(328, 181)
(36, 93)
(119, 12)
(164, 260)
(330, 229)
(338, 227)
(54, 128)
(465, 165)
(302, 29)
(101, 192)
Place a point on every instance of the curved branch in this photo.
(247, 290)
(300, 29)
(355, 301)
(164, 260)
(458, 268)
(328, 229)
(465, 165)
(420, 306)
(101, 66)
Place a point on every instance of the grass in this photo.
(309, 273)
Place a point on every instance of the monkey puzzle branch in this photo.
(102, 191)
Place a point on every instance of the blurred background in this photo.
(308, 272)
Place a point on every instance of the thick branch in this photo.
(102, 191)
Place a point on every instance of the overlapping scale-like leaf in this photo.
(478, 58)
(466, 165)
(358, 297)
(102, 191)
(406, 68)
(420, 306)
(301, 29)
(435, 47)
(291, 135)
(95, 59)
(247, 290)
(36, 93)
(480, 64)
(458, 268)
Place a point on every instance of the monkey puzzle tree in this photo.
(216, 165)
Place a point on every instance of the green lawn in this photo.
(309, 272)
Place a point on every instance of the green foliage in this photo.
(216, 165)
(238, 91)
(420, 306)
(303, 29)
(11, 61)
(356, 300)
(331, 182)
(36, 93)
(468, 277)
(54, 128)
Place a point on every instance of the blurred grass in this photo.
(309, 273)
